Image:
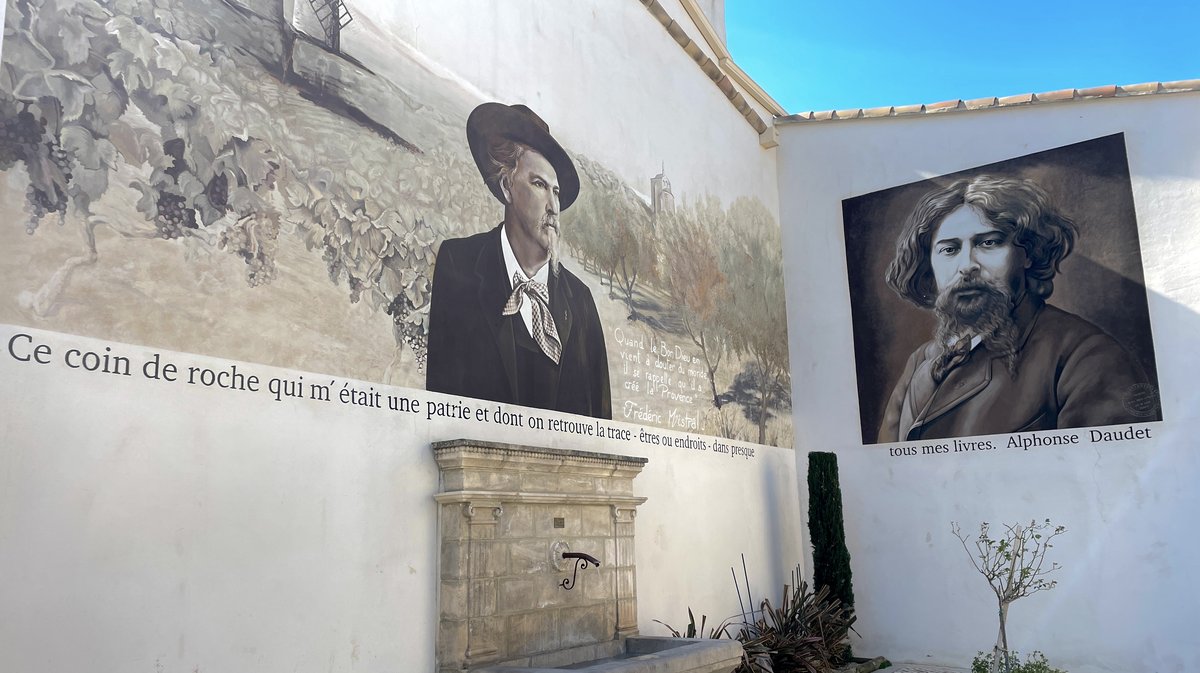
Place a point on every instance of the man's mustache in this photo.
(973, 283)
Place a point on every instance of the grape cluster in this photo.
(173, 217)
(254, 241)
(23, 137)
(218, 191)
(260, 269)
(413, 335)
(356, 288)
(332, 260)
(19, 137)
(38, 204)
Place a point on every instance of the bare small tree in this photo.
(1014, 566)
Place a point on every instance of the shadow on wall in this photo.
(1129, 507)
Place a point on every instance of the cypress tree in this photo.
(831, 559)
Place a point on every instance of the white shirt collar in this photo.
(512, 266)
(976, 339)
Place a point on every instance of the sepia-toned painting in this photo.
(230, 178)
(1000, 299)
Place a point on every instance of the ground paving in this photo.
(923, 668)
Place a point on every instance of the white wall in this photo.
(1128, 598)
(594, 70)
(147, 526)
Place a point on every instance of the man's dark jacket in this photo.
(1069, 374)
(473, 347)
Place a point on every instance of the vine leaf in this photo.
(91, 152)
(21, 55)
(110, 101)
(189, 186)
(254, 159)
(138, 42)
(168, 57)
(88, 185)
(179, 105)
(134, 74)
(132, 143)
(69, 88)
(147, 204)
(245, 202)
(75, 38)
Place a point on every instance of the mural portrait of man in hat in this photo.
(507, 321)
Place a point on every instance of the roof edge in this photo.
(725, 59)
(993, 102)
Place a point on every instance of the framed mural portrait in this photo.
(1003, 298)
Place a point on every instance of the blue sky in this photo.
(833, 55)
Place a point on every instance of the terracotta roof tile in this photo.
(1018, 99)
(678, 33)
(1182, 85)
(977, 103)
(1060, 96)
(726, 86)
(1099, 92)
(1143, 88)
(1051, 96)
(659, 12)
(944, 105)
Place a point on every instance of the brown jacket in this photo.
(1069, 374)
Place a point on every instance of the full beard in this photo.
(976, 307)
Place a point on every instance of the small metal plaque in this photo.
(560, 522)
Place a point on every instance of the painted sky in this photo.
(836, 55)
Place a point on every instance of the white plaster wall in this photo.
(604, 74)
(164, 527)
(153, 526)
(1128, 598)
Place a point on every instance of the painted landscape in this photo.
(202, 177)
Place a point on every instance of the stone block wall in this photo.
(506, 515)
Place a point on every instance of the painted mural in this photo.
(1005, 298)
(204, 177)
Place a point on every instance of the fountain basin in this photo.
(649, 654)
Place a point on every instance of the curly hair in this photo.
(1015, 205)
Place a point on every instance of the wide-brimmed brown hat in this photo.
(519, 124)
